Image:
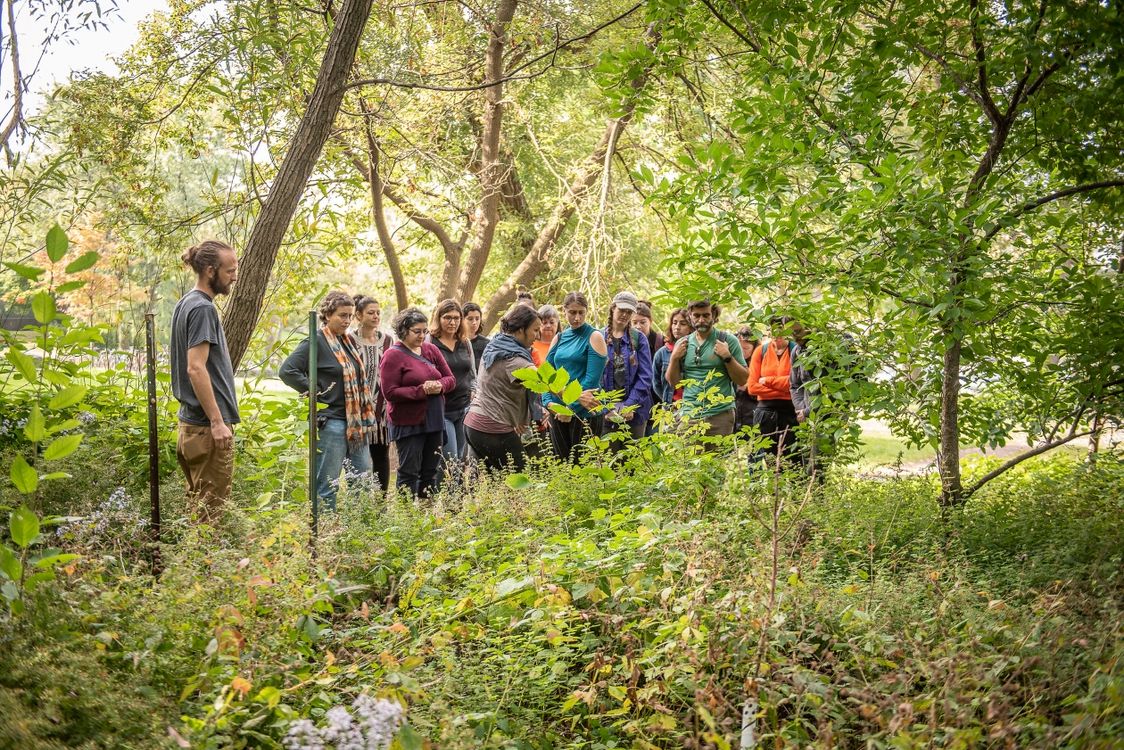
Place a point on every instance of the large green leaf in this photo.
(518, 481)
(43, 307)
(23, 476)
(23, 363)
(57, 243)
(68, 396)
(82, 262)
(410, 739)
(31, 273)
(10, 565)
(36, 429)
(62, 447)
(24, 526)
(573, 392)
(70, 286)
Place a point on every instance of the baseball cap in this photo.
(626, 301)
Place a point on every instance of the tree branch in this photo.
(512, 75)
(457, 279)
(1049, 446)
(1039, 202)
(989, 107)
(737, 32)
(17, 81)
(379, 216)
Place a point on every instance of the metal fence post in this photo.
(153, 443)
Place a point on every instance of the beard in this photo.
(220, 287)
(702, 327)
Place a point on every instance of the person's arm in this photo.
(447, 380)
(641, 390)
(201, 384)
(659, 375)
(390, 378)
(294, 370)
(736, 367)
(596, 356)
(801, 399)
(549, 398)
(675, 364)
(754, 381)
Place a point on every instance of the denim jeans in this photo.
(331, 450)
(455, 445)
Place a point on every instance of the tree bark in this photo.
(460, 280)
(257, 260)
(374, 182)
(948, 460)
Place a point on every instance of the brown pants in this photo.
(209, 472)
(719, 424)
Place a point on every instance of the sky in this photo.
(84, 49)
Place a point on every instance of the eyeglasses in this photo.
(745, 335)
(451, 318)
(418, 331)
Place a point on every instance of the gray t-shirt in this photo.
(194, 322)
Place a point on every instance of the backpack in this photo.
(791, 351)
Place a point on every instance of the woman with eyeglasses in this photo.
(581, 350)
(414, 376)
(347, 422)
(449, 333)
(744, 401)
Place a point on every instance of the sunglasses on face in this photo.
(745, 336)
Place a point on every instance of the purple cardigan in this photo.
(401, 374)
(638, 373)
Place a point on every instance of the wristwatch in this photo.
(727, 360)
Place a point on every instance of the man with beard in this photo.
(713, 364)
(203, 381)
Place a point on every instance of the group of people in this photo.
(447, 396)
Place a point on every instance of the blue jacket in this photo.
(638, 373)
(664, 392)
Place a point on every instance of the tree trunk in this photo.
(948, 461)
(378, 215)
(461, 281)
(584, 178)
(256, 261)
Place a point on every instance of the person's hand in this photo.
(544, 423)
(761, 380)
(222, 436)
(563, 418)
(801, 415)
(432, 387)
(627, 415)
(680, 350)
(722, 349)
(588, 400)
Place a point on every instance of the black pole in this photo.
(153, 445)
(312, 386)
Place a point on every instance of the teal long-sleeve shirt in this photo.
(574, 352)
